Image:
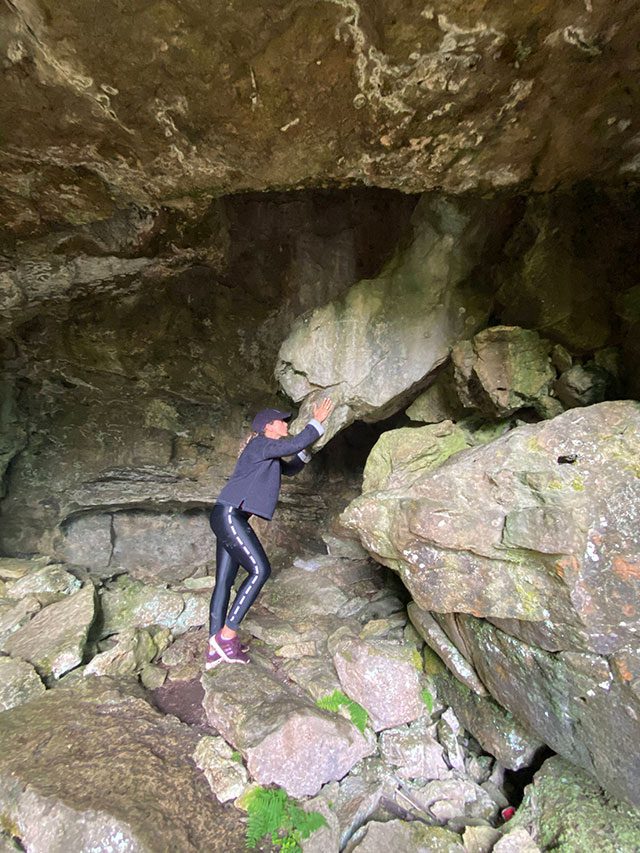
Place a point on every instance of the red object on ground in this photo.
(508, 813)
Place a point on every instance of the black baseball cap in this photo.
(266, 416)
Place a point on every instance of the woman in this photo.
(252, 490)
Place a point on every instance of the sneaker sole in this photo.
(212, 664)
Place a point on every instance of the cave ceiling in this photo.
(171, 103)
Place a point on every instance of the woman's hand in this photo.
(322, 410)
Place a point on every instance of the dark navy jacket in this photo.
(255, 482)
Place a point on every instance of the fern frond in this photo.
(333, 701)
(336, 700)
(359, 716)
(272, 812)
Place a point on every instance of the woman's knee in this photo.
(264, 572)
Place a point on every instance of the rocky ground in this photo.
(113, 737)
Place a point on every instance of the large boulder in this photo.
(54, 640)
(584, 706)
(537, 532)
(371, 348)
(98, 769)
(540, 525)
(381, 676)
(503, 369)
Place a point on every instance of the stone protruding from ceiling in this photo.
(160, 101)
(370, 349)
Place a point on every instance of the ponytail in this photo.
(246, 441)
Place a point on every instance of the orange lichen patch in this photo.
(629, 610)
(566, 564)
(622, 668)
(625, 569)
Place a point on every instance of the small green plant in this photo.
(336, 700)
(427, 698)
(272, 812)
(235, 756)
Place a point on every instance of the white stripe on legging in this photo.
(254, 578)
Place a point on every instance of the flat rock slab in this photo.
(299, 595)
(53, 641)
(51, 580)
(435, 637)
(100, 770)
(132, 604)
(285, 739)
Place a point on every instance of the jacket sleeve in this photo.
(289, 468)
(274, 448)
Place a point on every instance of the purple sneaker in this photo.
(211, 659)
(229, 650)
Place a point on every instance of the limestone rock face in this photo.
(584, 706)
(555, 277)
(92, 771)
(459, 98)
(537, 532)
(374, 345)
(527, 527)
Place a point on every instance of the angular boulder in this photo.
(285, 739)
(19, 683)
(54, 640)
(382, 676)
(503, 369)
(377, 837)
(371, 348)
(539, 527)
(564, 809)
(538, 532)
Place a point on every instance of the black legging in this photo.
(237, 545)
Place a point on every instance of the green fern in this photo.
(427, 698)
(336, 700)
(272, 812)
